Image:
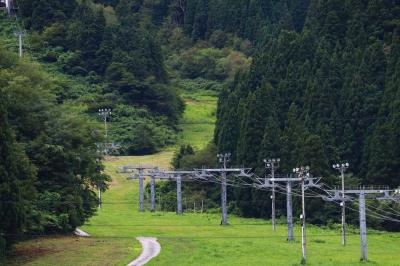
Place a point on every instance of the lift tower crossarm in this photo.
(207, 174)
(271, 183)
(140, 169)
(362, 192)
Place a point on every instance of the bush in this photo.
(69, 60)
(138, 132)
(55, 34)
(77, 70)
(218, 39)
(50, 56)
(210, 63)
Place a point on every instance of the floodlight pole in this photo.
(303, 173)
(303, 228)
(20, 34)
(272, 164)
(104, 113)
(289, 211)
(342, 168)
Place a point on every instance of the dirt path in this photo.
(151, 248)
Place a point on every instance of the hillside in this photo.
(328, 93)
(128, 57)
(196, 239)
(314, 83)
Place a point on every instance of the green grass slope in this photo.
(195, 239)
(198, 239)
(198, 122)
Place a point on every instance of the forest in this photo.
(311, 82)
(132, 57)
(49, 163)
(323, 88)
(327, 92)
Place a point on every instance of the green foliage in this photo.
(183, 151)
(42, 13)
(138, 132)
(322, 87)
(204, 157)
(317, 97)
(114, 51)
(17, 179)
(210, 63)
(254, 20)
(49, 180)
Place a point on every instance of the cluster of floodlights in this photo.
(338, 166)
(301, 169)
(104, 111)
(270, 162)
(223, 156)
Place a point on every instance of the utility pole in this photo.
(303, 174)
(363, 226)
(19, 34)
(342, 168)
(289, 211)
(104, 113)
(272, 165)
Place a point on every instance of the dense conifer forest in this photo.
(326, 93)
(313, 82)
(322, 88)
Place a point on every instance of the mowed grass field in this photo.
(197, 239)
(198, 122)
